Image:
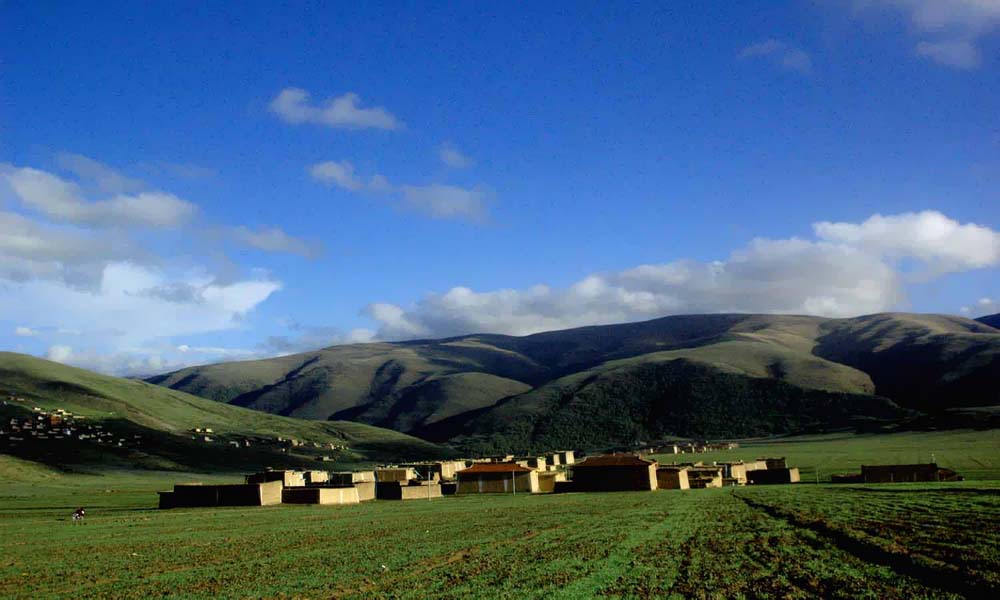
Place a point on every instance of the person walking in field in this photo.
(79, 513)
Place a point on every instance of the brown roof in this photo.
(614, 460)
(494, 468)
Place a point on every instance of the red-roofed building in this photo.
(614, 473)
(497, 478)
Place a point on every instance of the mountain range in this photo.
(718, 375)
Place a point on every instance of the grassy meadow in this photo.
(973, 454)
(798, 541)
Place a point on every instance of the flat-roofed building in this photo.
(614, 472)
(672, 478)
(497, 478)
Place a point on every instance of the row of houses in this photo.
(922, 472)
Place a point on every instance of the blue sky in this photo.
(183, 183)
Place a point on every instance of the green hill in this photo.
(164, 421)
(680, 371)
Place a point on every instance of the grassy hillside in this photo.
(927, 362)
(438, 387)
(164, 419)
(638, 401)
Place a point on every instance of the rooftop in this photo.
(494, 468)
(614, 460)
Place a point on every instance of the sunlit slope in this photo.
(435, 398)
(411, 386)
(169, 416)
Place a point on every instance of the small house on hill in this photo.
(614, 472)
(497, 478)
(904, 473)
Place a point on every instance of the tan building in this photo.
(394, 474)
(773, 476)
(614, 472)
(320, 495)
(401, 490)
(904, 473)
(287, 478)
(733, 472)
(351, 477)
(497, 478)
(566, 457)
(672, 478)
(313, 477)
(196, 494)
(704, 477)
(547, 480)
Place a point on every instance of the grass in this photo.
(165, 418)
(973, 454)
(781, 542)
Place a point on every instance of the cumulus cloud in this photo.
(436, 200)
(128, 309)
(62, 201)
(106, 178)
(983, 306)
(780, 53)
(274, 239)
(453, 157)
(339, 173)
(848, 270)
(292, 105)
(941, 243)
(86, 269)
(948, 29)
(447, 201)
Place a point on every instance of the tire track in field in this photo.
(928, 571)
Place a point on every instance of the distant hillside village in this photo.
(35, 425)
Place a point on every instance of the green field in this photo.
(698, 543)
(973, 454)
(798, 541)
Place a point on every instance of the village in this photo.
(552, 472)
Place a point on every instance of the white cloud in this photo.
(129, 310)
(942, 243)
(25, 332)
(436, 200)
(953, 53)
(312, 337)
(453, 157)
(273, 239)
(106, 178)
(339, 173)
(780, 53)
(948, 29)
(60, 354)
(447, 201)
(983, 306)
(849, 270)
(61, 200)
(292, 105)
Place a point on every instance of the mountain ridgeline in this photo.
(723, 375)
